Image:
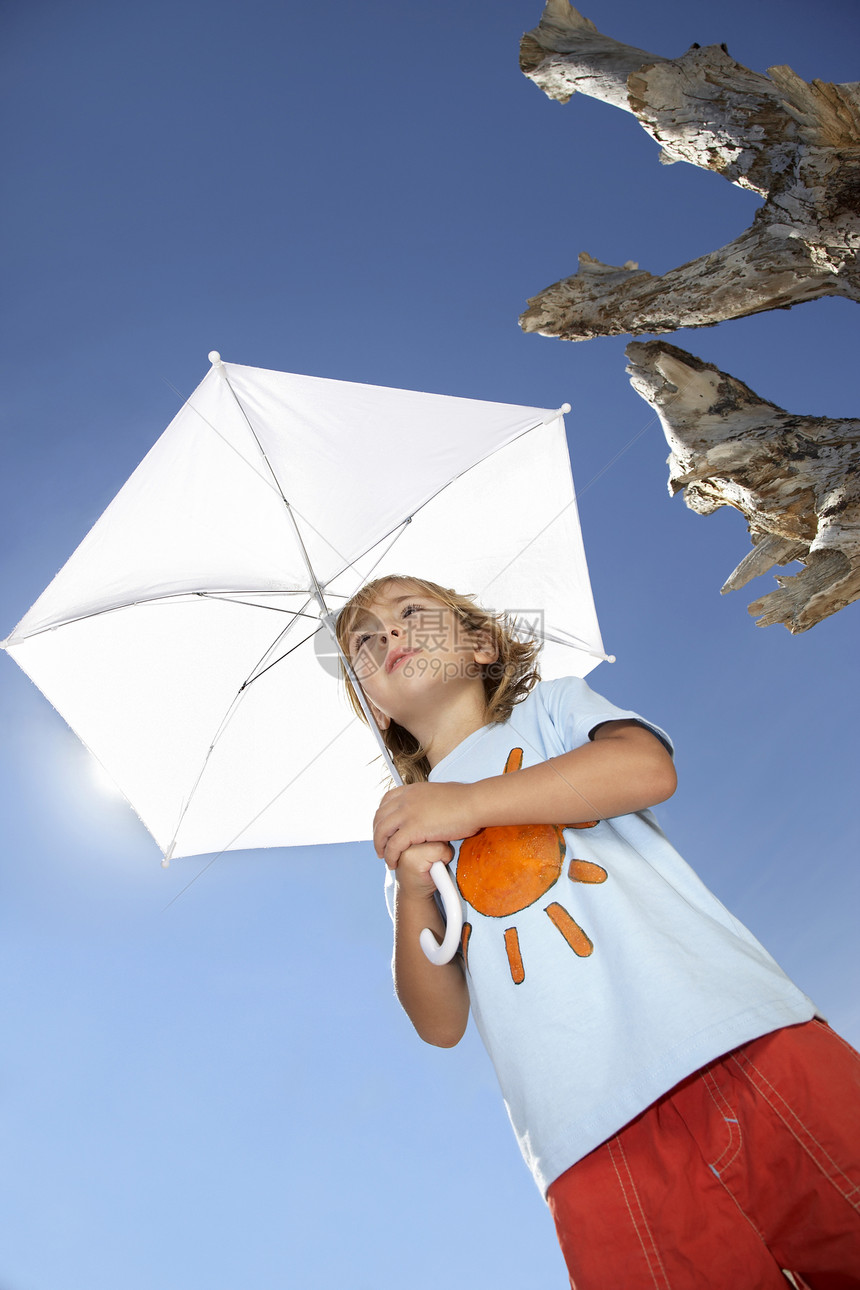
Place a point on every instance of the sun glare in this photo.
(102, 780)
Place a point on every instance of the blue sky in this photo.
(224, 1092)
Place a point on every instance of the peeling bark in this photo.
(795, 479)
(795, 144)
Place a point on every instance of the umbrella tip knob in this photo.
(215, 358)
(564, 409)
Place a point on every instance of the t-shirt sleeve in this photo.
(576, 711)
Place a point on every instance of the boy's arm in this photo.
(624, 768)
(435, 998)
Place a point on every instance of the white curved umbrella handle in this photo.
(443, 953)
(436, 953)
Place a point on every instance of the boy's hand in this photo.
(414, 865)
(416, 813)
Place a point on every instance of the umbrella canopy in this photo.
(182, 640)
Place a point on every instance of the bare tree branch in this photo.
(796, 479)
(796, 144)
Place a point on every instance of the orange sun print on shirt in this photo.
(505, 868)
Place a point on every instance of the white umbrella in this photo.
(182, 639)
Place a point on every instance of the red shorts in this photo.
(748, 1167)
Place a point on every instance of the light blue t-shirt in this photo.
(621, 976)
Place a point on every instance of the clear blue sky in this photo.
(224, 1093)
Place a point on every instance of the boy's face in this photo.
(406, 646)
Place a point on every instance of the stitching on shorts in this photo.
(739, 1207)
(822, 1025)
(733, 1125)
(730, 1119)
(799, 1131)
(640, 1226)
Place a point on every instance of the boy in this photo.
(679, 1103)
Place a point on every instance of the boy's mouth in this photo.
(398, 657)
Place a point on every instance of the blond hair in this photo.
(506, 681)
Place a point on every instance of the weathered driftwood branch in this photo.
(796, 479)
(796, 144)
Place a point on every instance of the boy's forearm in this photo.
(622, 770)
(435, 998)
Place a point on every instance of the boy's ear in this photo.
(486, 650)
(379, 717)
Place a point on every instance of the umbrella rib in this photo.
(398, 532)
(575, 642)
(163, 598)
(317, 592)
(261, 811)
(275, 482)
(255, 675)
(270, 483)
(548, 636)
(230, 598)
(577, 496)
(472, 465)
(228, 715)
(402, 525)
(572, 641)
(317, 589)
(531, 542)
(309, 523)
